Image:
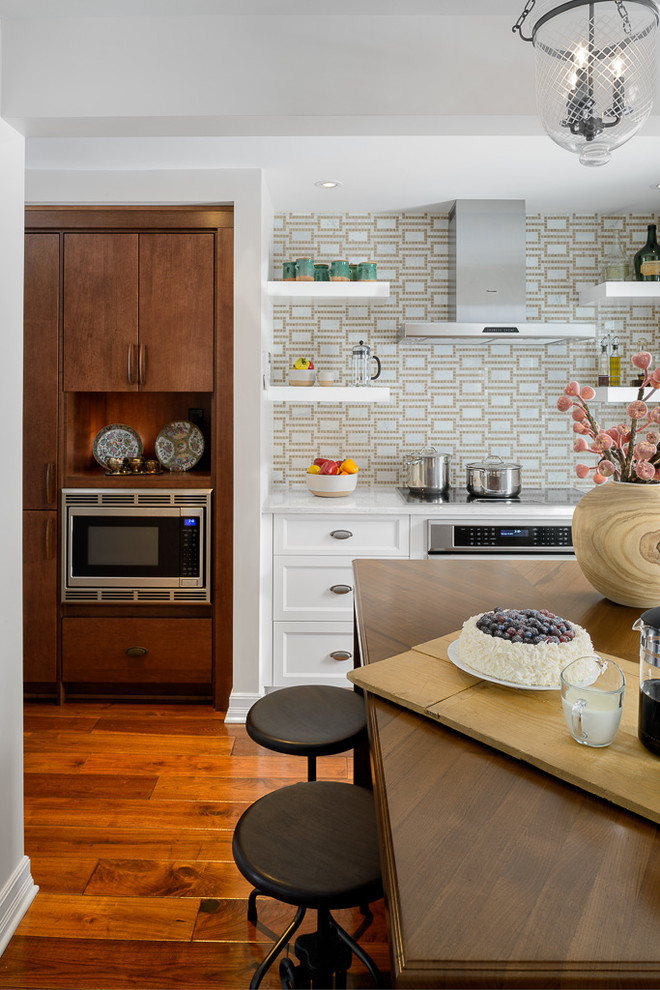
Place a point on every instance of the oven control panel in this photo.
(447, 538)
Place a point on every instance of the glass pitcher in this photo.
(648, 626)
(361, 359)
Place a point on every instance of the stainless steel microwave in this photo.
(136, 545)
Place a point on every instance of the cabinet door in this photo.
(40, 600)
(40, 382)
(176, 312)
(100, 319)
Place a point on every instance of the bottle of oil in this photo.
(604, 363)
(615, 364)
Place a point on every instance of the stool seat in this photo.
(312, 844)
(308, 720)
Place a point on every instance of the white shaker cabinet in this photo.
(313, 589)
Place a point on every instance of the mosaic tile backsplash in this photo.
(470, 400)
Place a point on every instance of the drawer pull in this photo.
(137, 651)
(341, 655)
(341, 589)
(341, 534)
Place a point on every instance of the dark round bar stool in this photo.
(308, 720)
(313, 845)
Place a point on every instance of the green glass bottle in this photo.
(647, 259)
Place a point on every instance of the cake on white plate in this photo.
(524, 646)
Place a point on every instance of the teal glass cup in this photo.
(304, 269)
(367, 271)
(289, 271)
(321, 273)
(340, 271)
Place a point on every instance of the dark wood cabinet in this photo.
(128, 319)
(137, 651)
(40, 606)
(40, 371)
(138, 312)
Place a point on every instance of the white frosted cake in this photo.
(524, 646)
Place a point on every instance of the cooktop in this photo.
(528, 496)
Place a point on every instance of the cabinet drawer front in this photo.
(302, 652)
(313, 588)
(178, 650)
(369, 536)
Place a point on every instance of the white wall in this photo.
(16, 886)
(244, 188)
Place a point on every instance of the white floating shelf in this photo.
(328, 291)
(620, 292)
(615, 394)
(331, 393)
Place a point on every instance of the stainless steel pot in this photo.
(427, 471)
(493, 478)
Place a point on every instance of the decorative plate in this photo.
(179, 445)
(452, 653)
(116, 440)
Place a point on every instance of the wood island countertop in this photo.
(496, 873)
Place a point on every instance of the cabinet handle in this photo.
(49, 539)
(142, 366)
(137, 651)
(341, 655)
(340, 589)
(341, 534)
(50, 477)
(129, 369)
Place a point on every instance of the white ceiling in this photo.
(408, 103)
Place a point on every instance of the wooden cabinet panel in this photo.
(100, 321)
(40, 604)
(40, 384)
(178, 651)
(176, 311)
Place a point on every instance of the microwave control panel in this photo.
(190, 556)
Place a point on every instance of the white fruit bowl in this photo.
(301, 377)
(331, 485)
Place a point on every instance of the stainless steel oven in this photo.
(136, 545)
(534, 524)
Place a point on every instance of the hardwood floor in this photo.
(129, 814)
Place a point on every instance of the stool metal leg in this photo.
(363, 956)
(311, 768)
(252, 907)
(261, 970)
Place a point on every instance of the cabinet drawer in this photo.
(302, 652)
(303, 588)
(178, 651)
(358, 535)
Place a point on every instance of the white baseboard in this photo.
(15, 898)
(239, 705)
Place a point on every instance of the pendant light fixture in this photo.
(595, 71)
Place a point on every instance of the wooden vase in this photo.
(616, 535)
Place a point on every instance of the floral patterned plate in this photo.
(116, 440)
(179, 445)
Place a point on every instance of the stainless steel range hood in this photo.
(487, 274)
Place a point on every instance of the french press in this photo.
(649, 679)
(361, 359)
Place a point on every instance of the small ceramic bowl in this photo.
(301, 377)
(331, 485)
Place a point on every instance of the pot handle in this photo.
(377, 360)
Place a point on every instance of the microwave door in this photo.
(115, 548)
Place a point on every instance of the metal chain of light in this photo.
(595, 72)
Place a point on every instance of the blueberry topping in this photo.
(526, 625)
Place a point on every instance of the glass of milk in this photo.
(592, 690)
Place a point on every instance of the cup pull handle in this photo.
(341, 655)
(341, 589)
(137, 651)
(341, 534)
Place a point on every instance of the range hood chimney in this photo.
(487, 276)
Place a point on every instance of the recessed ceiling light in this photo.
(655, 185)
(327, 184)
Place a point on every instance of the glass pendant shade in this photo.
(595, 73)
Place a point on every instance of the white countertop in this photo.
(388, 500)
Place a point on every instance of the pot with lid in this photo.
(493, 478)
(427, 472)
